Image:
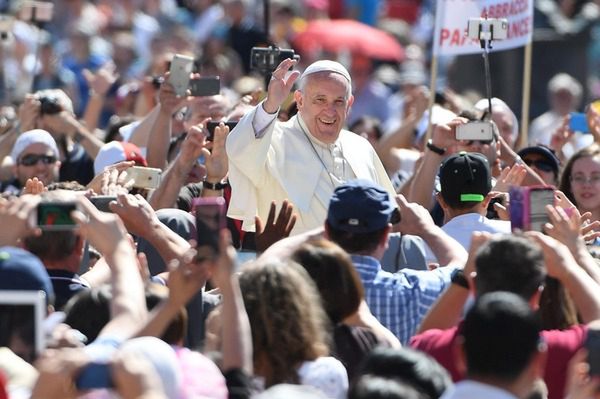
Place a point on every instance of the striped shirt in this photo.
(400, 300)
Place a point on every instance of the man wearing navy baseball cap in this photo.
(359, 219)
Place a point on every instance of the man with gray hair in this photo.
(564, 96)
(304, 159)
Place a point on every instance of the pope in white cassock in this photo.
(304, 159)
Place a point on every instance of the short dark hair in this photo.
(510, 263)
(54, 245)
(375, 387)
(501, 333)
(355, 243)
(406, 364)
(334, 274)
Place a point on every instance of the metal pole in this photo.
(267, 13)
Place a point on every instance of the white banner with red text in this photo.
(452, 17)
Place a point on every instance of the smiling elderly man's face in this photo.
(323, 103)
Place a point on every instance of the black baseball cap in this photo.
(465, 178)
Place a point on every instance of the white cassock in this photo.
(286, 162)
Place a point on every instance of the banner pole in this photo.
(432, 88)
(526, 95)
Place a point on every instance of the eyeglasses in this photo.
(580, 179)
(33, 159)
(540, 164)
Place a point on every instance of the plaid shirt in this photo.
(400, 300)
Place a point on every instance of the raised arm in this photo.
(416, 220)
(236, 334)
(443, 138)
(447, 310)
(107, 233)
(194, 145)
(160, 132)
(561, 265)
(248, 144)
(141, 220)
(100, 83)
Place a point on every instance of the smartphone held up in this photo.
(210, 220)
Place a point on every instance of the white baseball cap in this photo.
(33, 137)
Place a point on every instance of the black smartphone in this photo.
(211, 125)
(205, 86)
(95, 376)
(592, 345)
(210, 220)
(56, 215)
(101, 202)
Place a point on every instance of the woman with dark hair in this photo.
(342, 293)
(289, 329)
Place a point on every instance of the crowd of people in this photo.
(320, 244)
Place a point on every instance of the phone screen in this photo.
(578, 122)
(210, 220)
(205, 86)
(101, 202)
(538, 199)
(94, 376)
(592, 344)
(210, 126)
(56, 215)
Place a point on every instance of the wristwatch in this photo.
(215, 186)
(458, 277)
(434, 148)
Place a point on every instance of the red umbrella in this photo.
(348, 35)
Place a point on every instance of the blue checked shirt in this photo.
(400, 300)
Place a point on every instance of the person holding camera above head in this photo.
(52, 110)
(303, 159)
(465, 182)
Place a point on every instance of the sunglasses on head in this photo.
(540, 164)
(33, 159)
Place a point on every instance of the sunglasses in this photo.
(482, 142)
(33, 159)
(540, 164)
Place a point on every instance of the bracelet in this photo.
(215, 186)
(458, 278)
(434, 148)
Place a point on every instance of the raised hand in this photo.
(274, 229)
(415, 218)
(33, 186)
(280, 86)
(100, 184)
(216, 161)
(15, 216)
(101, 81)
(136, 213)
(510, 176)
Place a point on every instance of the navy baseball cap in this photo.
(360, 206)
(22, 271)
(552, 161)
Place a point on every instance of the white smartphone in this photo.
(37, 11)
(475, 131)
(179, 73)
(144, 177)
